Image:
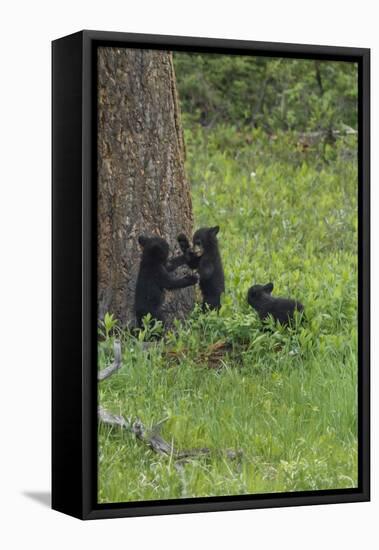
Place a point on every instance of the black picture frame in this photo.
(74, 369)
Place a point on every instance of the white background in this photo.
(26, 31)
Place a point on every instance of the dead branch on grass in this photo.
(152, 437)
(113, 367)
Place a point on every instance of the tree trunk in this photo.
(142, 188)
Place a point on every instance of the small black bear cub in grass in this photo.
(281, 309)
(205, 258)
(154, 278)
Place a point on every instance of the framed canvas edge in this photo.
(215, 44)
(67, 318)
(88, 422)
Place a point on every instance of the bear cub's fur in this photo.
(205, 258)
(154, 278)
(281, 309)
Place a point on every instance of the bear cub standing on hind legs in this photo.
(154, 278)
(205, 258)
(281, 309)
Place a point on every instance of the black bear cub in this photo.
(154, 278)
(282, 309)
(205, 258)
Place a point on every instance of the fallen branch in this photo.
(347, 131)
(160, 445)
(113, 367)
(155, 441)
(152, 437)
(112, 419)
(309, 139)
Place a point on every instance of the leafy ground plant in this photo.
(285, 398)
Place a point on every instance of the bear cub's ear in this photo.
(268, 288)
(214, 230)
(142, 240)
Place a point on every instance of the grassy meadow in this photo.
(283, 400)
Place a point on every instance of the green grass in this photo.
(285, 398)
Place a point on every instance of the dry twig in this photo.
(113, 367)
(152, 437)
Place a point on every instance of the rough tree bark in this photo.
(142, 188)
